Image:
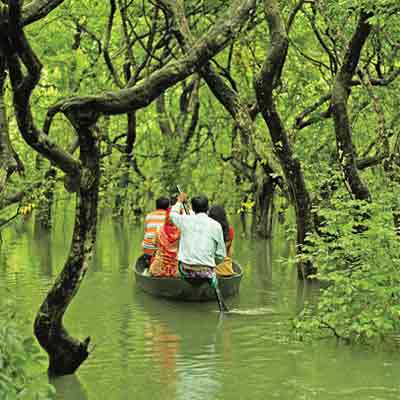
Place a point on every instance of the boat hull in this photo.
(180, 289)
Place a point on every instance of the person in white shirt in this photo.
(201, 245)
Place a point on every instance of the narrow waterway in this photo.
(148, 348)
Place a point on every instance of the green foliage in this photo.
(22, 373)
(357, 255)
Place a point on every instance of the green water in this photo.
(148, 348)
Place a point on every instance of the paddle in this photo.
(185, 207)
(221, 303)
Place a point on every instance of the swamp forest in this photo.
(284, 112)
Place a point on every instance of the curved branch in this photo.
(301, 122)
(38, 9)
(225, 94)
(293, 14)
(32, 12)
(142, 94)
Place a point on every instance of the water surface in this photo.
(148, 348)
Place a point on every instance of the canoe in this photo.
(180, 289)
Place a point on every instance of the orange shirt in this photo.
(152, 223)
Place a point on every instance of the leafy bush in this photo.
(357, 254)
(21, 365)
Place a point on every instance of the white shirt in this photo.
(202, 239)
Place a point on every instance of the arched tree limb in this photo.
(143, 93)
(33, 11)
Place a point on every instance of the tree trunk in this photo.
(66, 353)
(265, 84)
(8, 163)
(340, 95)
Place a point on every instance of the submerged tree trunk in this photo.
(66, 353)
(265, 84)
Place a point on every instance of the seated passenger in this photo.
(152, 223)
(218, 214)
(165, 262)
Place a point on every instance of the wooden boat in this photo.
(181, 289)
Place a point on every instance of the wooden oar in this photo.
(221, 303)
(185, 207)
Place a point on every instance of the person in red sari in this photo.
(165, 262)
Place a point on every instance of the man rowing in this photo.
(201, 245)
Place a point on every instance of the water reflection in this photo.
(263, 261)
(307, 291)
(163, 345)
(121, 231)
(187, 360)
(42, 251)
(69, 387)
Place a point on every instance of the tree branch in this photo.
(144, 93)
(106, 54)
(293, 14)
(300, 121)
(32, 12)
(226, 95)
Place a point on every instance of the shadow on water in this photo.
(69, 387)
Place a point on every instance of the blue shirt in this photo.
(201, 241)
